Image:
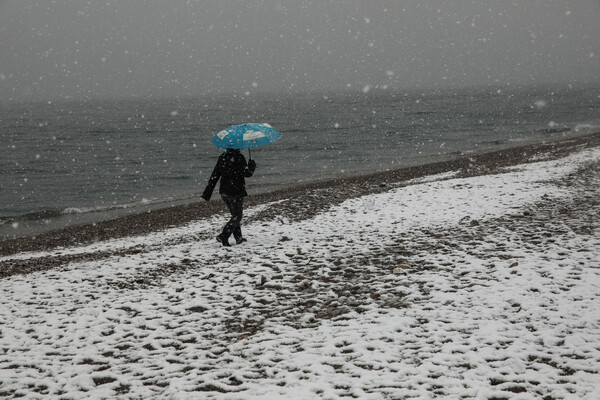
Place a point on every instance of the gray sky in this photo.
(85, 49)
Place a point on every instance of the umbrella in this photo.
(246, 136)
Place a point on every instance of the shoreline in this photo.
(452, 285)
(347, 187)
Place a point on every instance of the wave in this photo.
(586, 128)
(420, 112)
(554, 129)
(294, 130)
(32, 216)
(122, 206)
(571, 127)
(55, 213)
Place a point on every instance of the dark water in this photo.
(73, 162)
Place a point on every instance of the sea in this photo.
(71, 162)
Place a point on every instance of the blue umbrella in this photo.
(246, 136)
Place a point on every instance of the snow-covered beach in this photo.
(479, 282)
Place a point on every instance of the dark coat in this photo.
(231, 168)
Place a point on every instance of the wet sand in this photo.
(307, 199)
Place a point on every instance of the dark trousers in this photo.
(236, 208)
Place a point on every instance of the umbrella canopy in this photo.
(246, 136)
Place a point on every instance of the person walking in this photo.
(232, 169)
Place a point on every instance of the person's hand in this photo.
(252, 164)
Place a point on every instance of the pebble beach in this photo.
(477, 277)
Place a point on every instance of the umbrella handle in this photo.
(249, 154)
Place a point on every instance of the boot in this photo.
(223, 240)
(237, 234)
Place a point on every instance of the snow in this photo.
(430, 289)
